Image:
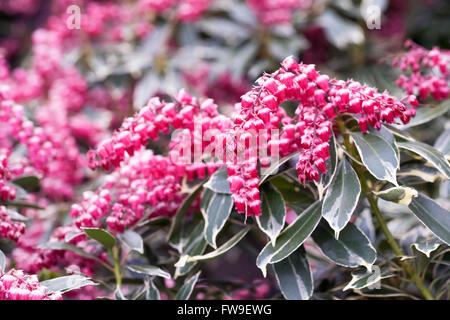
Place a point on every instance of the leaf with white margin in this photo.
(215, 208)
(273, 212)
(294, 276)
(443, 142)
(291, 238)
(187, 288)
(427, 246)
(67, 283)
(2, 261)
(352, 249)
(342, 197)
(378, 155)
(432, 155)
(132, 240)
(424, 115)
(218, 181)
(363, 279)
(215, 253)
(331, 164)
(433, 216)
(195, 245)
(149, 271)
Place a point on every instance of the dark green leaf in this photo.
(216, 208)
(378, 156)
(187, 288)
(432, 215)
(432, 155)
(218, 181)
(342, 197)
(352, 249)
(150, 271)
(29, 183)
(291, 238)
(273, 212)
(102, 236)
(294, 276)
(132, 240)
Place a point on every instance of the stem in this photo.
(377, 213)
(117, 271)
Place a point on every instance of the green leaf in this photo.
(22, 204)
(149, 271)
(294, 276)
(429, 153)
(399, 133)
(68, 247)
(400, 195)
(424, 115)
(331, 163)
(174, 234)
(414, 173)
(28, 183)
(427, 246)
(352, 249)
(378, 156)
(102, 236)
(443, 142)
(132, 241)
(274, 168)
(2, 262)
(215, 253)
(216, 208)
(363, 279)
(291, 238)
(342, 197)
(67, 283)
(273, 212)
(152, 291)
(187, 288)
(195, 245)
(432, 215)
(218, 181)
(71, 235)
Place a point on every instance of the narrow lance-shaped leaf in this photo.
(342, 197)
(331, 163)
(215, 253)
(432, 215)
(102, 236)
(273, 212)
(424, 115)
(152, 291)
(195, 245)
(291, 238)
(216, 208)
(378, 156)
(365, 279)
(150, 271)
(352, 249)
(294, 276)
(187, 288)
(435, 157)
(67, 283)
(427, 246)
(174, 233)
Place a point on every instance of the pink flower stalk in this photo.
(429, 71)
(16, 285)
(321, 99)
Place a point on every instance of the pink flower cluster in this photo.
(429, 71)
(16, 285)
(321, 99)
(270, 12)
(9, 228)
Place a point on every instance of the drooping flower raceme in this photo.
(16, 285)
(320, 101)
